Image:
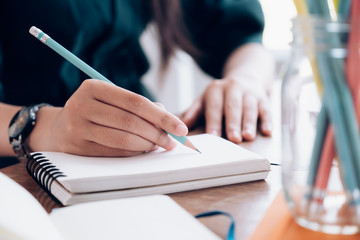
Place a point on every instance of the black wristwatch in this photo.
(21, 126)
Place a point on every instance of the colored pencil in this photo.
(338, 102)
(44, 38)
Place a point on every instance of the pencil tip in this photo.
(190, 145)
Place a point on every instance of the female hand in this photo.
(238, 104)
(100, 119)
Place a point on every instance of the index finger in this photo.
(138, 105)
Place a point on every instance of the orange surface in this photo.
(278, 224)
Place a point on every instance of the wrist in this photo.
(248, 84)
(40, 138)
(251, 64)
(21, 126)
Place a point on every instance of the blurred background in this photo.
(184, 81)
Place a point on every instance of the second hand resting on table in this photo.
(240, 98)
(101, 119)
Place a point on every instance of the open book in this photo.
(155, 217)
(73, 179)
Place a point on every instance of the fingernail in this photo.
(181, 130)
(248, 132)
(214, 132)
(267, 127)
(172, 144)
(235, 135)
(154, 149)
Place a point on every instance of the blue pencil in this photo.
(44, 38)
(338, 104)
(344, 8)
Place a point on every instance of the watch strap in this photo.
(18, 143)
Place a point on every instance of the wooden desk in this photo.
(247, 202)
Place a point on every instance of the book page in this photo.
(155, 217)
(21, 215)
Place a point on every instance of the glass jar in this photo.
(314, 190)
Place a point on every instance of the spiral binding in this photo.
(43, 171)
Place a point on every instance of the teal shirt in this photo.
(105, 34)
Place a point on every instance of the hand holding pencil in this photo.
(101, 119)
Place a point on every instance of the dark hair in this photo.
(173, 33)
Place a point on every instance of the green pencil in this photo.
(339, 107)
(44, 38)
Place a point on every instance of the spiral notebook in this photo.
(74, 179)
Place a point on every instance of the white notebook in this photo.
(155, 217)
(74, 179)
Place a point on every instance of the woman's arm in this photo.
(240, 98)
(99, 119)
(7, 112)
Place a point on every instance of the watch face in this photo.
(19, 123)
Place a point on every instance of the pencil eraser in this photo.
(34, 31)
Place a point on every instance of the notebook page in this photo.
(218, 155)
(21, 215)
(155, 217)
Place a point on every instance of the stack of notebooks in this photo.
(74, 179)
